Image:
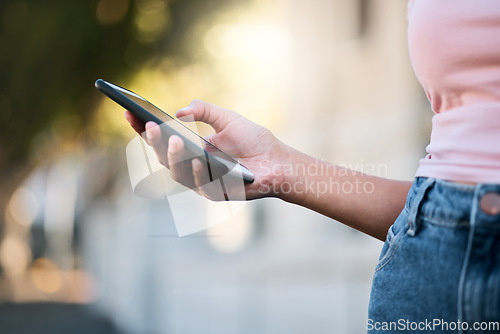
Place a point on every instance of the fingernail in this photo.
(174, 145)
(180, 111)
(149, 136)
(150, 125)
(196, 165)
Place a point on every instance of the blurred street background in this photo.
(79, 253)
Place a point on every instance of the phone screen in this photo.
(174, 123)
(196, 146)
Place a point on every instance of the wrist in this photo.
(272, 179)
(284, 176)
(298, 171)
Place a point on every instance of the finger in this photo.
(136, 123)
(180, 168)
(200, 173)
(154, 138)
(211, 189)
(215, 116)
(151, 132)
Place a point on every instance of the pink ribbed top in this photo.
(455, 51)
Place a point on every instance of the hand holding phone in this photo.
(230, 134)
(256, 149)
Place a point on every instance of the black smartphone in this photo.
(217, 162)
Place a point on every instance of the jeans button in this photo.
(490, 203)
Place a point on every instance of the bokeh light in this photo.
(15, 255)
(111, 11)
(46, 275)
(248, 41)
(151, 20)
(23, 206)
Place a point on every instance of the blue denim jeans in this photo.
(439, 269)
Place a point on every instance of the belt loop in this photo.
(415, 206)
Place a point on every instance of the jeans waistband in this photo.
(450, 204)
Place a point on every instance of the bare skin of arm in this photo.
(364, 202)
(367, 203)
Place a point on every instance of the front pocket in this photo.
(395, 235)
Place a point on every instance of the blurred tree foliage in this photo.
(52, 51)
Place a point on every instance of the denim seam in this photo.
(398, 239)
(443, 223)
(469, 188)
(450, 224)
(419, 196)
(393, 246)
(463, 274)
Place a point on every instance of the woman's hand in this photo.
(365, 202)
(254, 146)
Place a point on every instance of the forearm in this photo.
(367, 203)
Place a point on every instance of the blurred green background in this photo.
(78, 252)
(52, 52)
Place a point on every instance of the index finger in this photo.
(136, 123)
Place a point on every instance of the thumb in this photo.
(214, 116)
